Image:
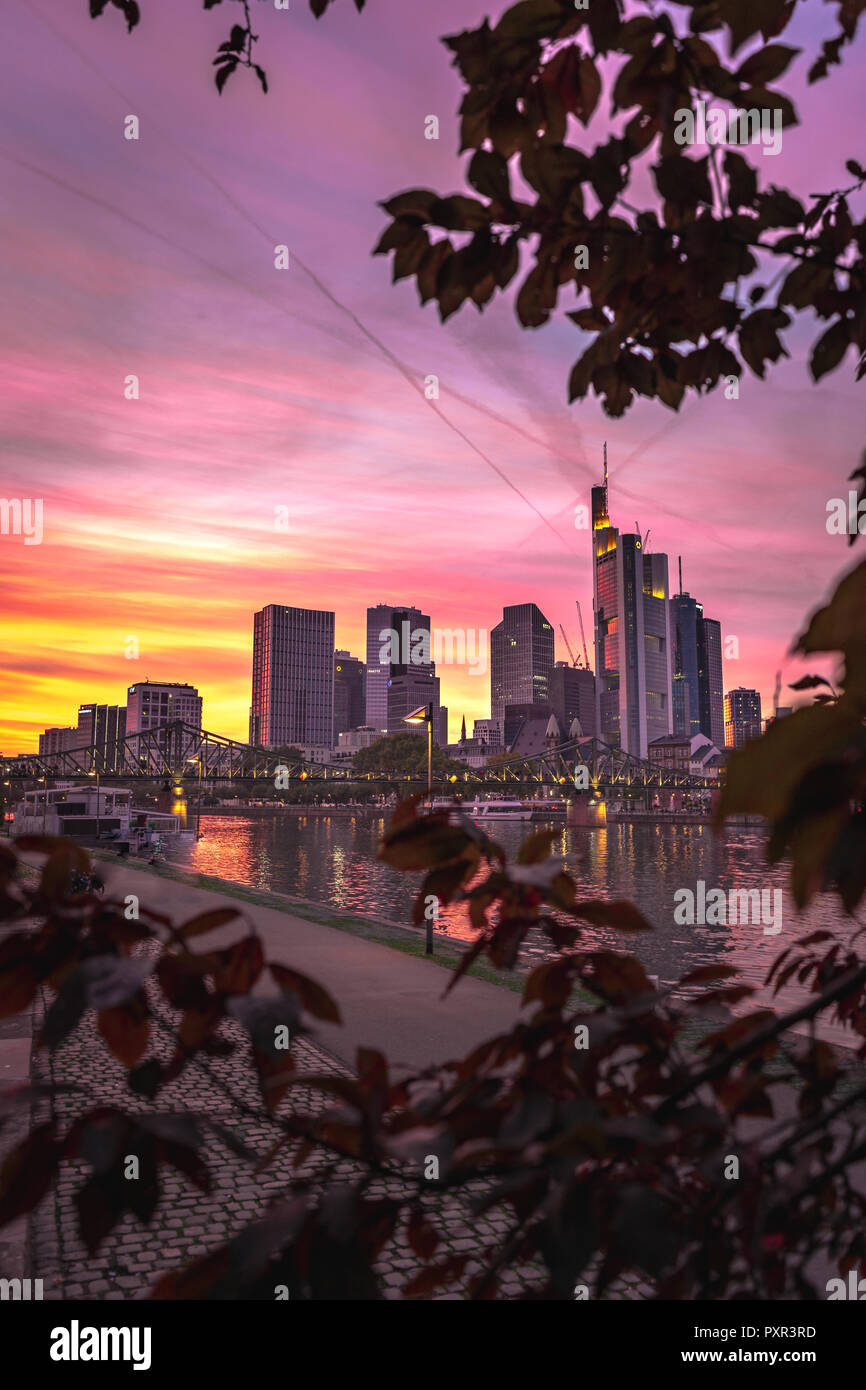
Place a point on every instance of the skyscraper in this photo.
(686, 616)
(742, 716)
(398, 644)
(710, 689)
(401, 673)
(696, 669)
(293, 677)
(378, 672)
(521, 659)
(632, 634)
(349, 693)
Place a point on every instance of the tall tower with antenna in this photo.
(632, 633)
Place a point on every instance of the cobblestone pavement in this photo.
(187, 1222)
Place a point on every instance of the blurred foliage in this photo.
(807, 775)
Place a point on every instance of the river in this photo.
(332, 860)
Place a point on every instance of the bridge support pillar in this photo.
(585, 812)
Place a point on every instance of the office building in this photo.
(488, 732)
(354, 739)
(710, 687)
(742, 716)
(518, 716)
(407, 692)
(378, 671)
(293, 678)
(440, 731)
(686, 614)
(521, 659)
(103, 728)
(398, 641)
(572, 696)
(150, 704)
(349, 693)
(696, 669)
(57, 741)
(401, 673)
(632, 634)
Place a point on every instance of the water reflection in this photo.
(332, 860)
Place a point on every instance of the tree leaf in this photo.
(830, 349)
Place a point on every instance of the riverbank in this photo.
(388, 991)
(388, 999)
(397, 935)
(410, 941)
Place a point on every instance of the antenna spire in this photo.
(680, 562)
(605, 463)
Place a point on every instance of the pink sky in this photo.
(258, 393)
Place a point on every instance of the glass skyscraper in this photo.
(293, 677)
(710, 688)
(632, 635)
(401, 673)
(521, 659)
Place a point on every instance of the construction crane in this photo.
(574, 660)
(583, 636)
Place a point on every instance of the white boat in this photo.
(80, 812)
(100, 815)
(499, 810)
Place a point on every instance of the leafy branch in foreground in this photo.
(665, 290)
(237, 50)
(659, 253)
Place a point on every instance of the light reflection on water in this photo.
(332, 860)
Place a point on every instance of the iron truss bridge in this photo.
(178, 750)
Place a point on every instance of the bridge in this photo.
(177, 751)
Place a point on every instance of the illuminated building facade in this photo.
(742, 716)
(632, 635)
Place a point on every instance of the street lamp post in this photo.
(96, 775)
(424, 715)
(198, 808)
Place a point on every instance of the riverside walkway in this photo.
(388, 1000)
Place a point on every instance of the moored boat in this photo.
(499, 810)
(95, 815)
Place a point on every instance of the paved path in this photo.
(387, 1000)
